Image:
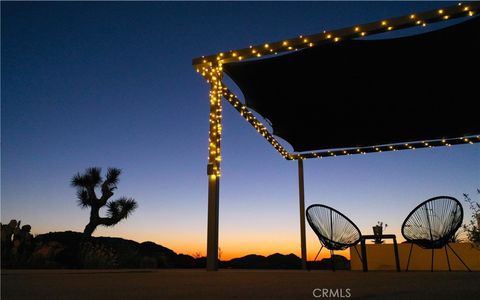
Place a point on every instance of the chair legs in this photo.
(448, 260)
(359, 256)
(433, 253)
(409, 255)
(332, 259)
(458, 258)
(308, 268)
(318, 254)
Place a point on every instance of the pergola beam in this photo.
(393, 147)
(250, 118)
(358, 31)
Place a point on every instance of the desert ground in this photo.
(236, 284)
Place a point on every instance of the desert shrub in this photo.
(472, 228)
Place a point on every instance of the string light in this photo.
(215, 120)
(301, 42)
(393, 148)
(250, 118)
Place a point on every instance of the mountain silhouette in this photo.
(73, 250)
(274, 261)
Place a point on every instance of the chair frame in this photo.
(440, 243)
(341, 246)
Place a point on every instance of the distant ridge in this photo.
(274, 261)
(281, 261)
(68, 249)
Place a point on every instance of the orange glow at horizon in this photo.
(232, 245)
(238, 246)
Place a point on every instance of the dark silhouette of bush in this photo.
(472, 228)
(274, 261)
(74, 250)
(341, 263)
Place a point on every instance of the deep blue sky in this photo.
(111, 84)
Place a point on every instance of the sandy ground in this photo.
(235, 284)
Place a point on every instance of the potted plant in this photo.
(378, 231)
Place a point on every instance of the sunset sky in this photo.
(111, 85)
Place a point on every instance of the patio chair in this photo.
(334, 230)
(432, 224)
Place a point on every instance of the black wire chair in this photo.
(334, 230)
(432, 224)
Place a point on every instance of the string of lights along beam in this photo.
(210, 67)
(259, 127)
(393, 147)
(358, 31)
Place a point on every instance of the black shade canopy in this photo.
(358, 93)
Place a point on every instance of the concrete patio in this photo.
(235, 284)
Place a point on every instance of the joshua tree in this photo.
(117, 210)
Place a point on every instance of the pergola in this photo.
(334, 94)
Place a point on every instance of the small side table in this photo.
(372, 237)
